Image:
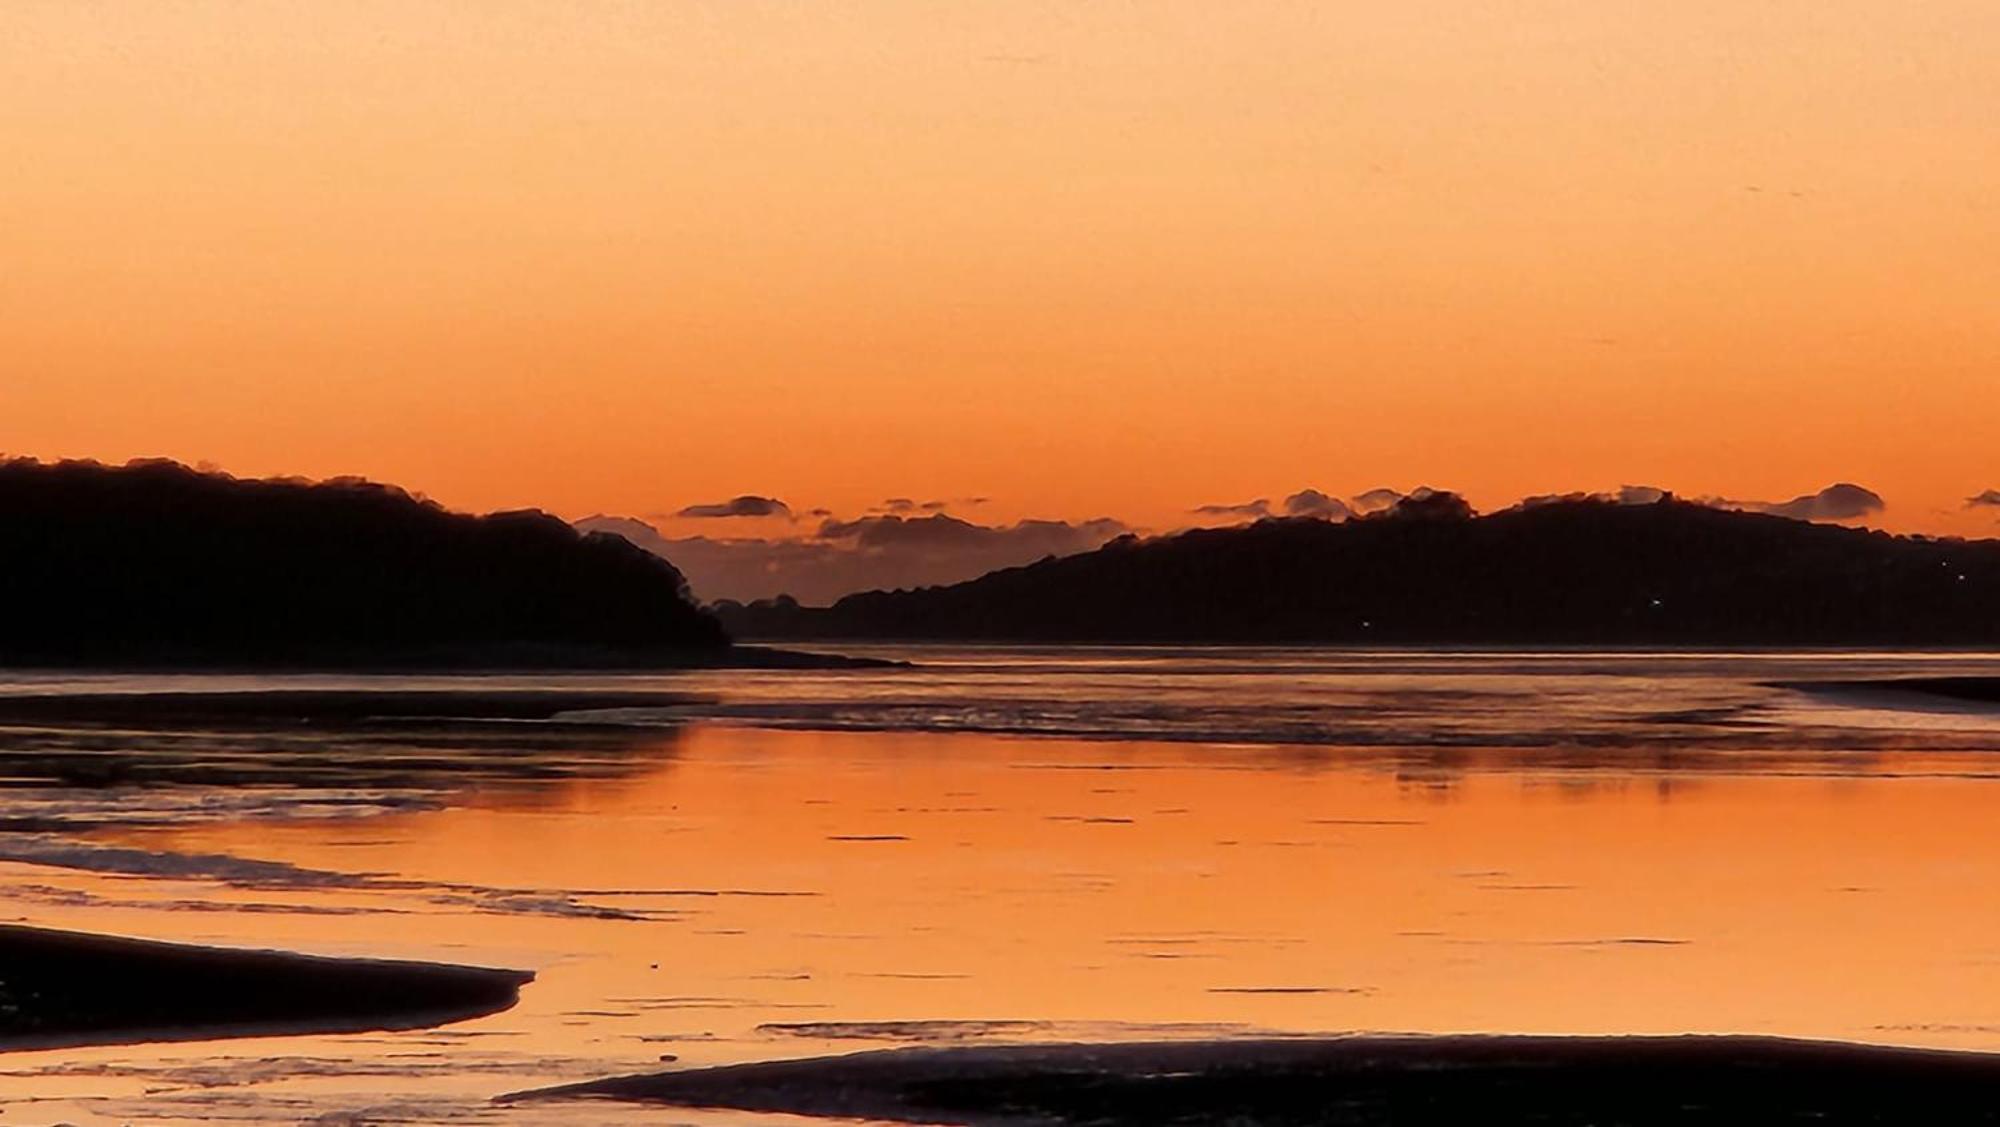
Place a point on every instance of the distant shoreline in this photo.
(308, 707)
(1447, 648)
(483, 660)
(1362, 1081)
(62, 989)
(1570, 571)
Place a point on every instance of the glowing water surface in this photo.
(1020, 845)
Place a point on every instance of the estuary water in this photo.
(1012, 844)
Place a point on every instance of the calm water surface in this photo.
(1032, 845)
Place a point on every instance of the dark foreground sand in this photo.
(61, 988)
(1967, 690)
(1360, 1080)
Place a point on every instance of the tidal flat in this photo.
(995, 848)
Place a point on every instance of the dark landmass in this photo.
(60, 988)
(766, 657)
(154, 564)
(1355, 1082)
(339, 708)
(1570, 572)
(1965, 690)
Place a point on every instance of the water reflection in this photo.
(719, 892)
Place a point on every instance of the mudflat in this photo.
(1352, 1082)
(63, 988)
(1976, 690)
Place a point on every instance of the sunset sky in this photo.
(1106, 259)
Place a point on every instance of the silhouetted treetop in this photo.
(154, 562)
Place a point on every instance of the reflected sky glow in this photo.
(1677, 849)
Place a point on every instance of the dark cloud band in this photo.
(748, 505)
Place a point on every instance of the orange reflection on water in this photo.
(969, 878)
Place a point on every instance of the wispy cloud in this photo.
(1375, 500)
(1840, 501)
(1261, 507)
(1313, 503)
(748, 505)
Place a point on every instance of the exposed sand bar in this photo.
(61, 988)
(1963, 690)
(1352, 1081)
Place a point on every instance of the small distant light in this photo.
(1656, 602)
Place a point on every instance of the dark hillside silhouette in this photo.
(1577, 571)
(156, 563)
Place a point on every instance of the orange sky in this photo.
(1082, 258)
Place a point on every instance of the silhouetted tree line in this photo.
(1575, 571)
(154, 562)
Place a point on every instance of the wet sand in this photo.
(1360, 1081)
(1969, 690)
(64, 988)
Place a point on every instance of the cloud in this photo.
(1261, 507)
(1313, 503)
(1540, 499)
(949, 541)
(841, 557)
(1987, 499)
(1376, 500)
(748, 505)
(885, 531)
(899, 506)
(1840, 501)
(1626, 495)
(631, 528)
(923, 545)
(1425, 503)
